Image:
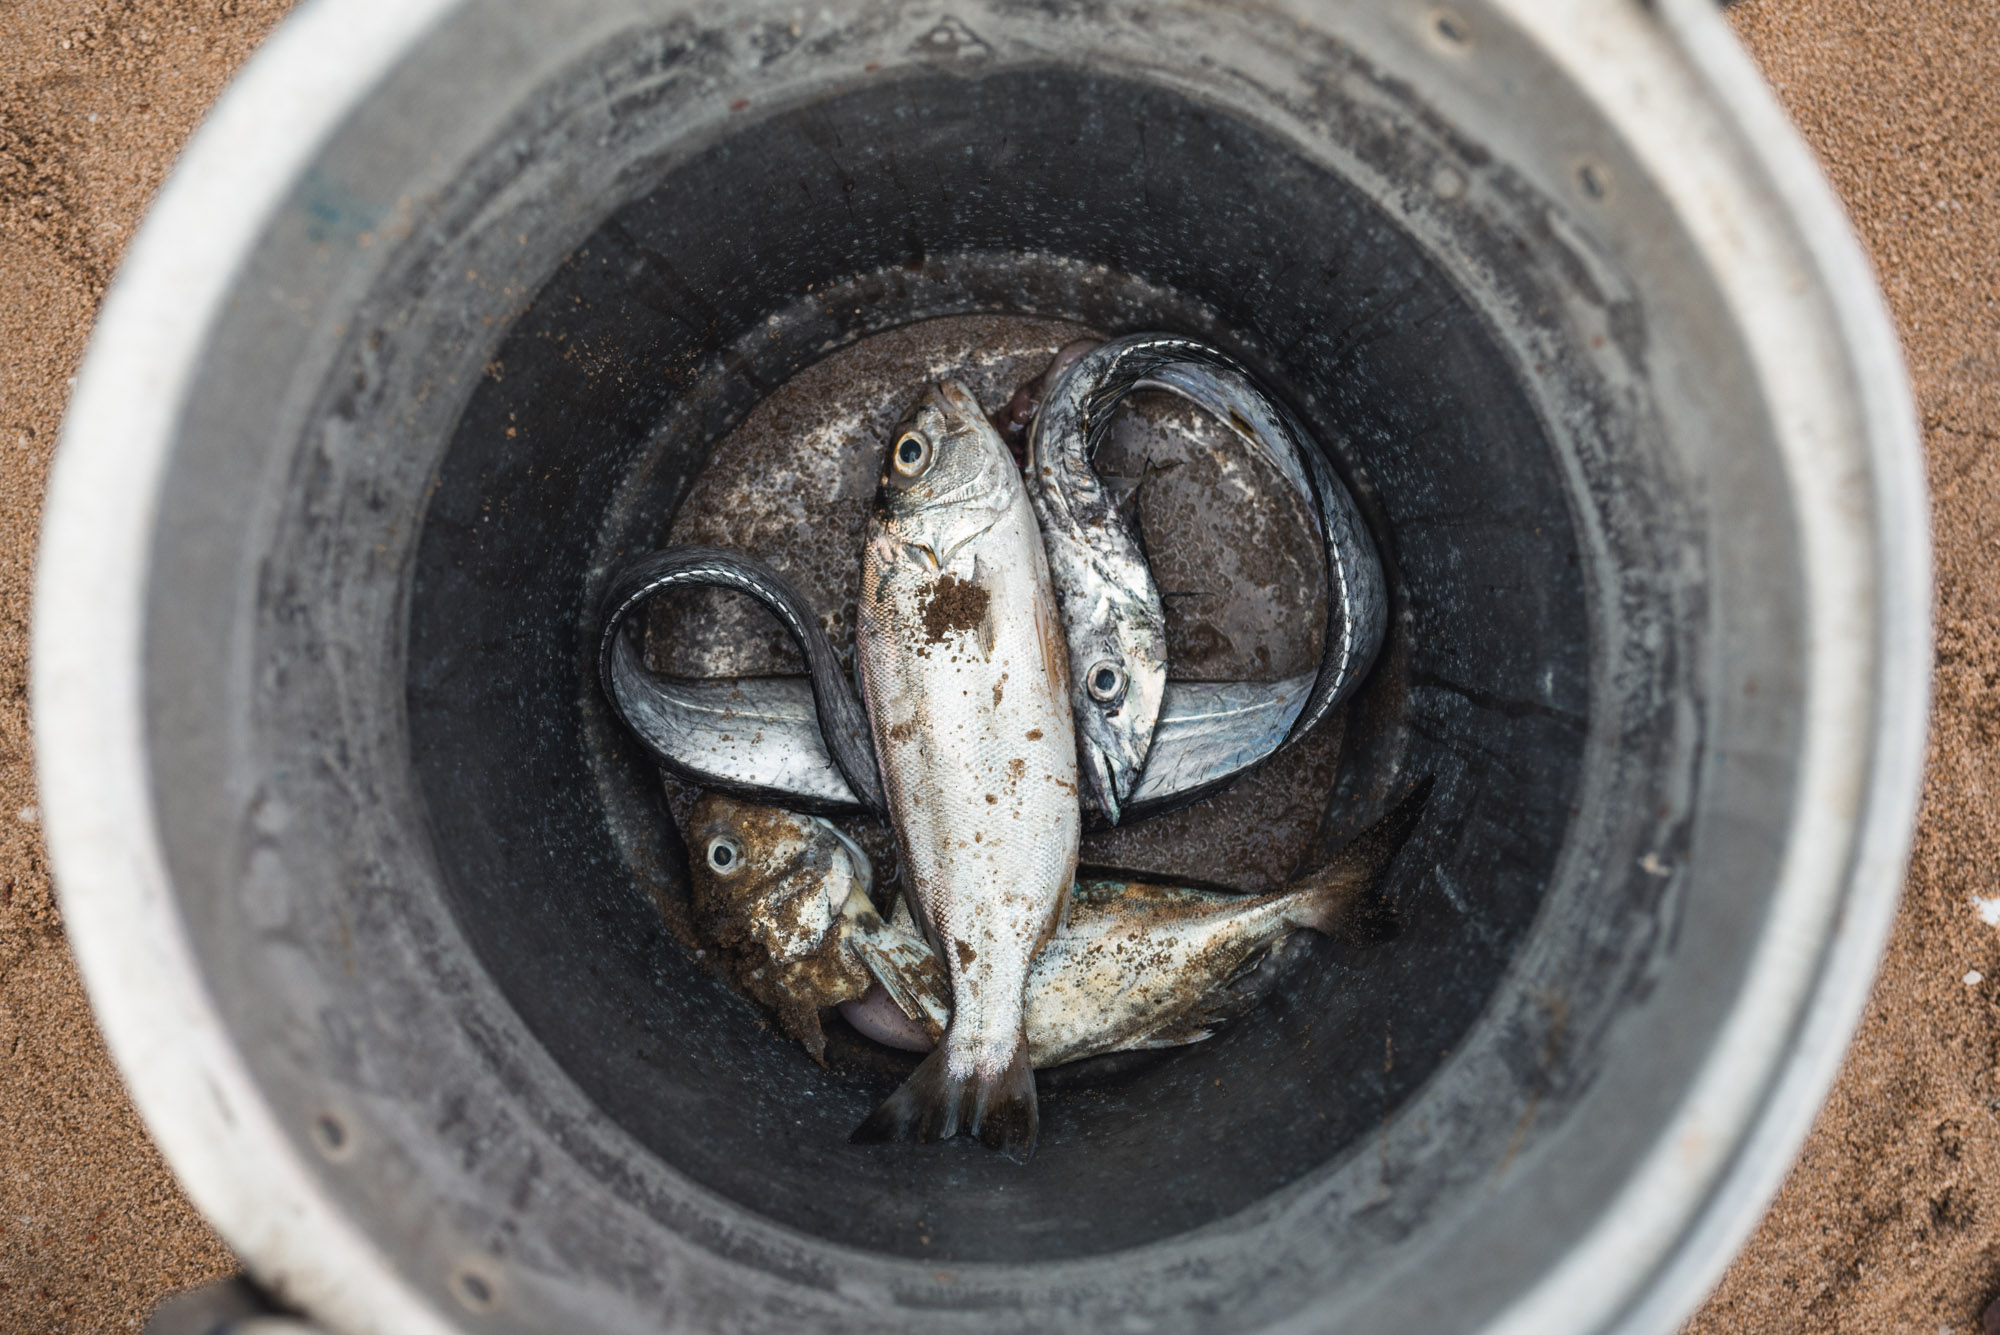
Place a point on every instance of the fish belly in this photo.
(965, 676)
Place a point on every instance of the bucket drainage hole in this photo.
(1593, 180)
(1451, 30)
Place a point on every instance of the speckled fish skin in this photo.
(1136, 966)
(1145, 966)
(778, 892)
(1112, 614)
(964, 673)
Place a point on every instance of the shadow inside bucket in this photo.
(1066, 197)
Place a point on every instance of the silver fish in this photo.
(963, 670)
(1113, 618)
(1065, 432)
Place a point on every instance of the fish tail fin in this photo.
(1326, 898)
(935, 1104)
(928, 1106)
(1006, 1115)
(1330, 897)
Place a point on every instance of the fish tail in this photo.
(925, 1109)
(1005, 1113)
(936, 1104)
(1333, 897)
(1324, 900)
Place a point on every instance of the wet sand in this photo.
(1887, 1224)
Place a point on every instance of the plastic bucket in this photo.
(438, 314)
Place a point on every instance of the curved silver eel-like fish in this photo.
(761, 737)
(820, 758)
(1080, 406)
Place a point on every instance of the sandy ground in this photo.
(1888, 1222)
(96, 97)
(1891, 1220)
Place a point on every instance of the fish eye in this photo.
(913, 454)
(725, 855)
(1105, 681)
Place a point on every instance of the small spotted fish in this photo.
(786, 897)
(777, 893)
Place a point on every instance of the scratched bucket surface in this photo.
(449, 309)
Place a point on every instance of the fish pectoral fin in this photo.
(1169, 1038)
(1190, 1026)
(923, 555)
(908, 971)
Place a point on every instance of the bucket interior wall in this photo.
(501, 323)
(1088, 198)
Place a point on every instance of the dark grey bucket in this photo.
(439, 317)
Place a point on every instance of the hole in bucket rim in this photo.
(476, 1286)
(332, 1137)
(1450, 31)
(1594, 180)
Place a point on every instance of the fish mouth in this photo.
(860, 873)
(1109, 784)
(859, 865)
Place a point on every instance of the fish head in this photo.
(945, 453)
(781, 879)
(1119, 679)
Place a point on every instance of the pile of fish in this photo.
(1011, 654)
(1136, 965)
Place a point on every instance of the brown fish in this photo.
(774, 891)
(964, 671)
